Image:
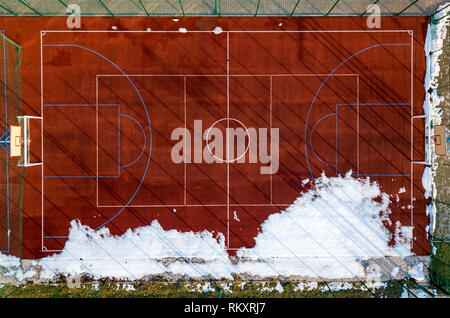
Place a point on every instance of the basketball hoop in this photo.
(15, 141)
(440, 140)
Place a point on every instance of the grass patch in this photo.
(203, 289)
(440, 266)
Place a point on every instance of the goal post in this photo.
(23, 148)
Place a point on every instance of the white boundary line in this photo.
(200, 205)
(43, 248)
(412, 136)
(185, 146)
(229, 31)
(185, 76)
(230, 75)
(270, 129)
(42, 32)
(227, 145)
(96, 136)
(357, 127)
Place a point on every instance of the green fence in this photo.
(217, 7)
(11, 176)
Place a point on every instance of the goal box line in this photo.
(271, 204)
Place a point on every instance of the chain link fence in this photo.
(216, 7)
(11, 176)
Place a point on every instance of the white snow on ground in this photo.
(182, 30)
(10, 267)
(436, 34)
(405, 293)
(327, 232)
(226, 287)
(278, 288)
(9, 261)
(131, 255)
(200, 287)
(305, 286)
(217, 30)
(427, 181)
(417, 272)
(339, 217)
(337, 286)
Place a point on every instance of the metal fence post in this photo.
(9, 10)
(63, 3)
(181, 5)
(257, 7)
(146, 12)
(331, 9)
(410, 5)
(31, 8)
(107, 9)
(293, 10)
(371, 5)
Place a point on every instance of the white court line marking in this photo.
(96, 135)
(227, 147)
(42, 146)
(412, 135)
(228, 160)
(357, 125)
(228, 75)
(214, 75)
(185, 146)
(229, 31)
(270, 128)
(199, 205)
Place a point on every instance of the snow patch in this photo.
(328, 232)
(427, 181)
(235, 216)
(434, 42)
(417, 272)
(217, 30)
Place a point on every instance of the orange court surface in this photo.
(339, 96)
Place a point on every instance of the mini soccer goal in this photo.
(20, 141)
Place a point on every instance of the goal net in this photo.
(22, 149)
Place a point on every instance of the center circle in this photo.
(226, 136)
